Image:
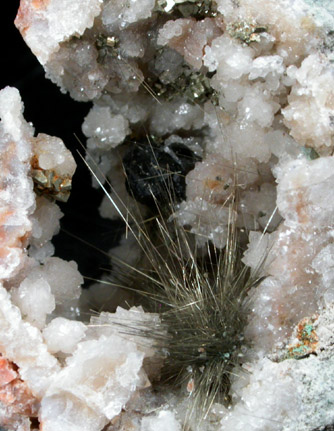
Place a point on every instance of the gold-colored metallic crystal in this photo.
(195, 86)
(247, 32)
(48, 183)
(107, 46)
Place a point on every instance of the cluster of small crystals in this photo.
(210, 68)
(53, 368)
(53, 167)
(287, 395)
(247, 85)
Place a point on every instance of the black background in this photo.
(56, 114)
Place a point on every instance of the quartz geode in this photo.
(246, 88)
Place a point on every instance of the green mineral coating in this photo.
(300, 350)
(307, 337)
(307, 331)
(310, 153)
(246, 32)
(322, 12)
(297, 352)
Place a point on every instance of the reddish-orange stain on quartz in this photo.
(5, 241)
(7, 238)
(23, 17)
(4, 216)
(14, 393)
(7, 372)
(40, 4)
(212, 184)
(11, 235)
(26, 12)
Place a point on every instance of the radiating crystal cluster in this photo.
(248, 87)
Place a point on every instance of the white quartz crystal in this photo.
(100, 376)
(301, 246)
(323, 264)
(52, 154)
(16, 193)
(125, 12)
(108, 130)
(63, 277)
(304, 193)
(276, 398)
(45, 24)
(262, 66)
(310, 111)
(189, 37)
(45, 221)
(34, 299)
(63, 335)
(12, 121)
(58, 410)
(169, 117)
(84, 379)
(163, 421)
(23, 344)
(228, 57)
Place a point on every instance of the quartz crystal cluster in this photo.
(53, 368)
(247, 89)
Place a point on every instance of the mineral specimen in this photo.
(245, 89)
